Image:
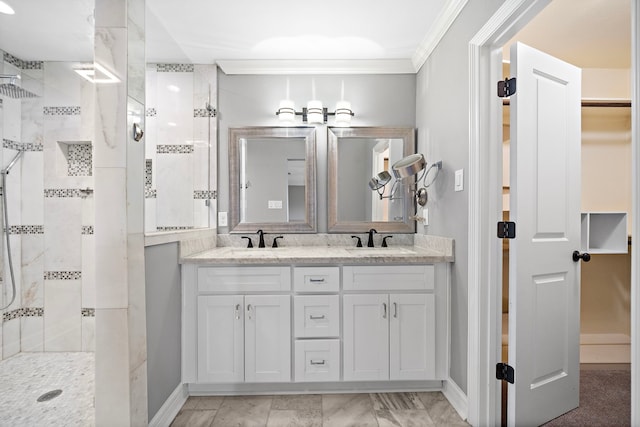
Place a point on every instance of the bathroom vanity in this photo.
(316, 318)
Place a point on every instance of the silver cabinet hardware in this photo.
(312, 317)
(312, 280)
(384, 310)
(249, 308)
(237, 311)
(395, 310)
(318, 362)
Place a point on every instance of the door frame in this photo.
(485, 208)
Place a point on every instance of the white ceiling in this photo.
(588, 33)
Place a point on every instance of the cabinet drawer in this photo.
(316, 316)
(234, 279)
(316, 279)
(392, 278)
(317, 360)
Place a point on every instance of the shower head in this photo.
(16, 92)
(6, 170)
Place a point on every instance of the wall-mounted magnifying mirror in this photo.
(362, 194)
(272, 179)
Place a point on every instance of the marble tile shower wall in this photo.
(51, 213)
(178, 145)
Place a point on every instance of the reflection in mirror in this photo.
(362, 195)
(272, 179)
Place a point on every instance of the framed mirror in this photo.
(358, 198)
(272, 179)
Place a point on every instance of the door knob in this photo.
(577, 256)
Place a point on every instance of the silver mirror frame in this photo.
(409, 147)
(235, 136)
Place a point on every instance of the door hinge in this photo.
(506, 230)
(505, 372)
(507, 87)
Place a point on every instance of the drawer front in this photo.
(235, 279)
(316, 279)
(316, 316)
(317, 360)
(388, 278)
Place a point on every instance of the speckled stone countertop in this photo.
(424, 250)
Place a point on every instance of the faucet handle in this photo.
(250, 244)
(275, 241)
(359, 244)
(384, 241)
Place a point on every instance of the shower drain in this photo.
(50, 395)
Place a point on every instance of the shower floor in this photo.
(27, 376)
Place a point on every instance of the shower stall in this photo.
(47, 274)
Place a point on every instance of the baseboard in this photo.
(170, 408)
(456, 397)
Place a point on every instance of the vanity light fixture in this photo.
(315, 113)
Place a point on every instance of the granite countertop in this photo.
(440, 251)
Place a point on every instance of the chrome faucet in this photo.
(261, 242)
(370, 241)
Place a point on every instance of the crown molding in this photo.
(440, 27)
(317, 66)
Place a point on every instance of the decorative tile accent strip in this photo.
(32, 65)
(61, 111)
(88, 312)
(174, 68)
(21, 146)
(80, 160)
(150, 194)
(62, 275)
(63, 192)
(148, 173)
(26, 229)
(12, 60)
(174, 149)
(87, 229)
(151, 112)
(205, 194)
(23, 312)
(175, 228)
(203, 112)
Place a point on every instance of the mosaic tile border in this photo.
(205, 194)
(61, 111)
(80, 160)
(88, 312)
(23, 312)
(174, 68)
(64, 192)
(150, 112)
(203, 112)
(87, 229)
(23, 65)
(174, 149)
(150, 194)
(26, 229)
(175, 228)
(21, 146)
(62, 275)
(148, 173)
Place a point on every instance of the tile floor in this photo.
(26, 376)
(311, 410)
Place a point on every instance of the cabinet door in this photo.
(220, 339)
(412, 336)
(267, 338)
(366, 337)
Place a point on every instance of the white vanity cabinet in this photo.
(389, 336)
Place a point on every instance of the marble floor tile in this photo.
(403, 418)
(203, 402)
(193, 418)
(294, 418)
(396, 401)
(341, 410)
(298, 402)
(440, 410)
(243, 411)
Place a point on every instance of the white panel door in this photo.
(544, 281)
(366, 337)
(220, 339)
(267, 338)
(412, 337)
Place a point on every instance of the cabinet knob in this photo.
(577, 256)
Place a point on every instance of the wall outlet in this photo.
(274, 204)
(459, 183)
(222, 219)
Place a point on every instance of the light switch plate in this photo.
(459, 183)
(222, 219)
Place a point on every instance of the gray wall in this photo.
(163, 298)
(442, 117)
(252, 100)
